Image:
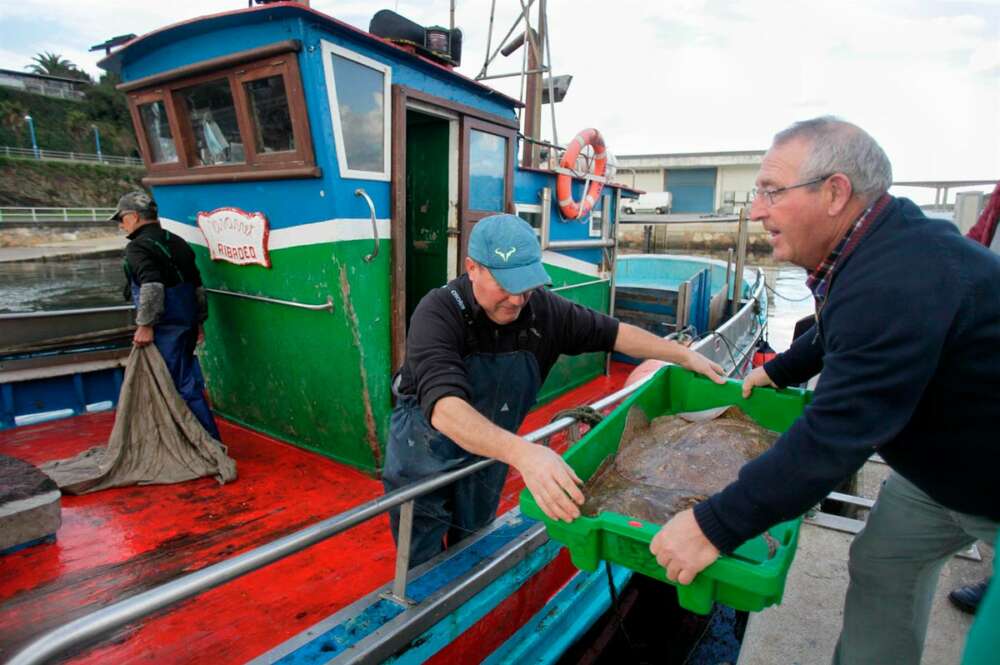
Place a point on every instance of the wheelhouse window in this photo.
(157, 131)
(487, 168)
(239, 117)
(269, 112)
(358, 90)
(210, 112)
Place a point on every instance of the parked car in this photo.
(657, 203)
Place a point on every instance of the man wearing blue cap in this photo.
(477, 352)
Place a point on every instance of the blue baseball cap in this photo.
(507, 246)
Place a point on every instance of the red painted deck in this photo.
(116, 543)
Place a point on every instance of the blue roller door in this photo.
(693, 189)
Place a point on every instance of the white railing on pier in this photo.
(70, 215)
(45, 153)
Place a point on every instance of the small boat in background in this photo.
(690, 298)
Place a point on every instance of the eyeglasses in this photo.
(769, 194)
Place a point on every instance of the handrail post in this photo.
(405, 536)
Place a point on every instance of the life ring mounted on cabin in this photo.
(569, 208)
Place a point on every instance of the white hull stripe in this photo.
(191, 234)
(569, 263)
(331, 230)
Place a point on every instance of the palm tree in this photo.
(53, 64)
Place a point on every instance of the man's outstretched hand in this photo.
(696, 362)
(552, 482)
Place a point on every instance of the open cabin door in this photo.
(452, 165)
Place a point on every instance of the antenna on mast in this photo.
(536, 88)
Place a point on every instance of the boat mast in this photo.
(536, 63)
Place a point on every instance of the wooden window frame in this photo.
(329, 49)
(296, 163)
(148, 97)
(470, 216)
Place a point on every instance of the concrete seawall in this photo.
(689, 236)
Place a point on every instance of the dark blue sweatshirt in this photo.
(909, 347)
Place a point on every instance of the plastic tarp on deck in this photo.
(155, 439)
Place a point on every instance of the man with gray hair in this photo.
(170, 304)
(907, 336)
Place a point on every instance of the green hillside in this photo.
(67, 125)
(27, 182)
(62, 124)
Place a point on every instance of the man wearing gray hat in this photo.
(477, 352)
(170, 304)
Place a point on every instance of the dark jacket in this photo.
(909, 347)
(438, 339)
(155, 262)
(156, 255)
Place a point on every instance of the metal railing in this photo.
(45, 153)
(126, 611)
(276, 301)
(43, 214)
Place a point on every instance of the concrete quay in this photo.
(66, 250)
(804, 628)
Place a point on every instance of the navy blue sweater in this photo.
(909, 347)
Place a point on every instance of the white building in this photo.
(700, 182)
(43, 84)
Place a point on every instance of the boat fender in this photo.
(644, 369)
(567, 206)
(763, 354)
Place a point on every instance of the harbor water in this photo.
(31, 286)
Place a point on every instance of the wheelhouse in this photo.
(328, 179)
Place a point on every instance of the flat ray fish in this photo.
(670, 464)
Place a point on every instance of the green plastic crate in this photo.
(744, 580)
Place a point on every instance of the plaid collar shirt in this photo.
(819, 279)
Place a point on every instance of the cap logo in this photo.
(505, 255)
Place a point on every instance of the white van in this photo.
(657, 203)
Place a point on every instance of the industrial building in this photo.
(700, 182)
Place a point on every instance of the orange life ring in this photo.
(564, 193)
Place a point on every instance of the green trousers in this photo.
(983, 644)
(894, 566)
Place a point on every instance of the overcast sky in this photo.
(685, 76)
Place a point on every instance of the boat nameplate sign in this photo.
(236, 236)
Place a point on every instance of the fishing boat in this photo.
(691, 299)
(327, 178)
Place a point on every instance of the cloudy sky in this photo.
(923, 77)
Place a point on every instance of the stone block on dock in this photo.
(30, 509)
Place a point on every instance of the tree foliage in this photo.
(53, 64)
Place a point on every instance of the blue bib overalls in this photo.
(504, 388)
(175, 337)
